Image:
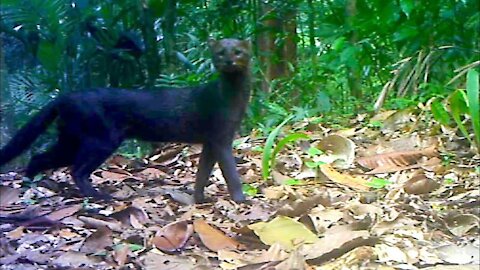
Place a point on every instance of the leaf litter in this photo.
(397, 196)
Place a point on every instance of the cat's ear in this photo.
(212, 43)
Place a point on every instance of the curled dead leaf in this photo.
(341, 150)
(420, 184)
(173, 236)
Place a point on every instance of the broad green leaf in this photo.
(49, 55)
(338, 44)
(440, 113)
(473, 102)
(407, 6)
(458, 106)
(405, 32)
(267, 150)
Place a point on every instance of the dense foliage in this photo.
(312, 56)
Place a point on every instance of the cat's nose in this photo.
(229, 62)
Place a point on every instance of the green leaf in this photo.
(473, 102)
(289, 138)
(157, 7)
(311, 164)
(378, 183)
(293, 182)
(267, 151)
(406, 32)
(249, 190)
(339, 43)
(49, 55)
(440, 113)
(458, 106)
(312, 151)
(407, 6)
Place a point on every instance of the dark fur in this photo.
(92, 124)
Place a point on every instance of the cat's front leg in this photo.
(223, 153)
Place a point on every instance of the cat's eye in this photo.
(238, 52)
(221, 52)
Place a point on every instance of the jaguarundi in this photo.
(92, 124)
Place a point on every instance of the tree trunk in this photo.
(354, 74)
(151, 48)
(277, 40)
(169, 33)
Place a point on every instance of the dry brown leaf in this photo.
(153, 261)
(98, 240)
(213, 238)
(420, 184)
(9, 195)
(330, 173)
(98, 223)
(395, 161)
(334, 245)
(125, 215)
(352, 259)
(64, 212)
(173, 236)
(75, 259)
(302, 206)
(121, 255)
(152, 173)
(340, 150)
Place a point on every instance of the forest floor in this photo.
(393, 192)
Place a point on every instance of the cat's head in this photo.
(230, 55)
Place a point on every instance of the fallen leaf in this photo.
(330, 173)
(459, 254)
(64, 212)
(75, 259)
(334, 245)
(396, 161)
(213, 238)
(98, 223)
(283, 230)
(420, 184)
(9, 195)
(461, 224)
(121, 255)
(155, 261)
(340, 150)
(173, 236)
(98, 240)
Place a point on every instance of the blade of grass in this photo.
(439, 113)
(458, 106)
(267, 150)
(281, 144)
(473, 102)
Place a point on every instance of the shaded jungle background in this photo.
(334, 58)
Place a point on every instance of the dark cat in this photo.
(92, 124)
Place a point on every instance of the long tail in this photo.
(28, 133)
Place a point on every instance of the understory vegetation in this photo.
(359, 149)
